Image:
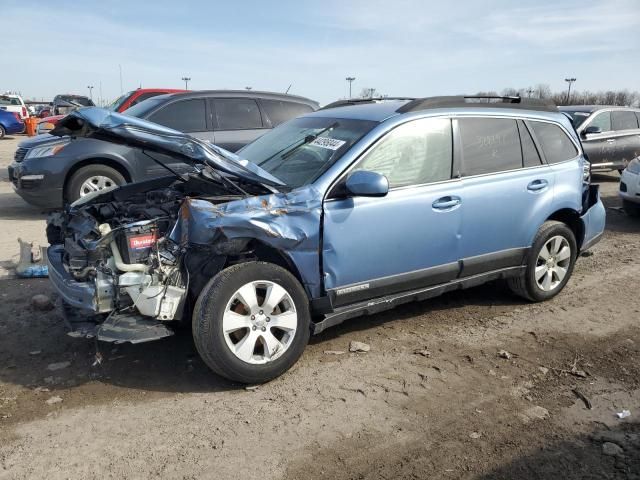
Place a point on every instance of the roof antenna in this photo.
(289, 88)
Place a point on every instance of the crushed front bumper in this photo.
(81, 295)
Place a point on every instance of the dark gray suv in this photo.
(48, 171)
(610, 136)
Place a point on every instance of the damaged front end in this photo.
(129, 263)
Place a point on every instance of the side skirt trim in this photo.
(387, 302)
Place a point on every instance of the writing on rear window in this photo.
(328, 143)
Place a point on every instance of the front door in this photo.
(602, 149)
(409, 238)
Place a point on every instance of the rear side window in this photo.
(414, 153)
(530, 155)
(556, 145)
(184, 116)
(279, 111)
(624, 121)
(237, 114)
(602, 120)
(489, 145)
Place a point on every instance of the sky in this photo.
(399, 47)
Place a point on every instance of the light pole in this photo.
(350, 80)
(186, 81)
(90, 87)
(248, 88)
(569, 81)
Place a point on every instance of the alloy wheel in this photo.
(259, 322)
(553, 263)
(95, 184)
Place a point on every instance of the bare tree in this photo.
(368, 93)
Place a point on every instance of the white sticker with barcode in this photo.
(328, 143)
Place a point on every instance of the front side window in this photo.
(237, 114)
(143, 97)
(414, 153)
(602, 120)
(624, 121)
(184, 116)
(556, 145)
(489, 145)
(299, 151)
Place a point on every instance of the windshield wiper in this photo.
(308, 139)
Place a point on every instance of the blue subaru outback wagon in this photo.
(346, 211)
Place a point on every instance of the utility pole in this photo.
(569, 81)
(529, 92)
(90, 87)
(186, 81)
(350, 80)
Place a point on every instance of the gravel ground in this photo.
(455, 409)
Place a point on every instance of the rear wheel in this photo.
(92, 178)
(251, 322)
(631, 209)
(550, 263)
(2, 132)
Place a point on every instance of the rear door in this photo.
(625, 125)
(188, 116)
(507, 192)
(236, 122)
(275, 112)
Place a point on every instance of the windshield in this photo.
(141, 109)
(577, 118)
(297, 152)
(117, 103)
(82, 101)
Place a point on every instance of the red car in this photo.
(123, 102)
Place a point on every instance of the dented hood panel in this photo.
(102, 124)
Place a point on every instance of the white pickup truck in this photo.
(14, 103)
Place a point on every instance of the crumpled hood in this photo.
(94, 122)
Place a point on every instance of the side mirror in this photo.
(590, 130)
(367, 184)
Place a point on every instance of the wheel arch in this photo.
(267, 253)
(109, 162)
(572, 219)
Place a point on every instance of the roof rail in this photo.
(478, 101)
(358, 101)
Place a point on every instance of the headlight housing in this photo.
(47, 150)
(634, 166)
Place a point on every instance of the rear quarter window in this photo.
(555, 143)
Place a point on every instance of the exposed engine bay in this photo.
(119, 242)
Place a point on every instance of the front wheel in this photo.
(550, 264)
(251, 322)
(92, 178)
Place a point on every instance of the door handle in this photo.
(446, 203)
(537, 185)
(611, 140)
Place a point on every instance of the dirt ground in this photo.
(455, 409)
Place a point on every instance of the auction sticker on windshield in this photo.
(328, 143)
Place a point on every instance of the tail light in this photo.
(24, 111)
(17, 115)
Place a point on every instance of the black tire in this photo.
(630, 208)
(208, 330)
(72, 189)
(3, 132)
(525, 285)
